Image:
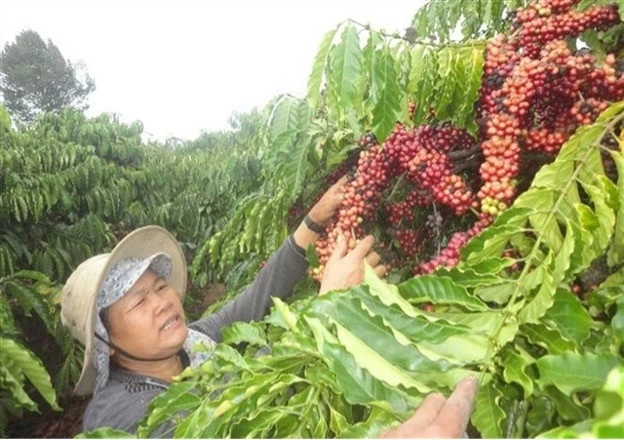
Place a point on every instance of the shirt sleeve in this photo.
(277, 278)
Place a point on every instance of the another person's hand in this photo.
(438, 417)
(326, 207)
(344, 270)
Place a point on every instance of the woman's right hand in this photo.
(439, 417)
(346, 269)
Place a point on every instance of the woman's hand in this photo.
(325, 208)
(321, 213)
(439, 417)
(344, 270)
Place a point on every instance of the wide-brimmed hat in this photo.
(78, 304)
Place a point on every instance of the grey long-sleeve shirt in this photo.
(123, 401)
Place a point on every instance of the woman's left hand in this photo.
(325, 208)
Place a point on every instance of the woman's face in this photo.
(148, 322)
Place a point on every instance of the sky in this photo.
(184, 66)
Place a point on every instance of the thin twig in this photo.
(397, 36)
(477, 159)
(396, 185)
(460, 154)
(437, 227)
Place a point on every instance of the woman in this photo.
(126, 308)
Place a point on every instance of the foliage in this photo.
(354, 363)
(443, 21)
(33, 292)
(35, 77)
(371, 81)
(608, 411)
(70, 183)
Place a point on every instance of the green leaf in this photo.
(371, 60)
(563, 259)
(388, 294)
(567, 406)
(448, 65)
(499, 293)
(573, 431)
(473, 64)
(32, 368)
(540, 415)
(316, 76)
(177, 397)
(417, 328)
(373, 333)
(255, 427)
(387, 108)
(488, 415)
(465, 276)
(421, 81)
(360, 386)
(439, 290)
(284, 120)
(620, 4)
(543, 222)
(16, 387)
(615, 255)
(337, 422)
(541, 302)
(543, 336)
(573, 372)
(609, 401)
(605, 215)
(514, 365)
(345, 73)
(378, 422)
(284, 312)
(249, 332)
(568, 315)
(488, 244)
(311, 256)
(296, 164)
(418, 65)
(29, 299)
(617, 323)
(491, 265)
(32, 275)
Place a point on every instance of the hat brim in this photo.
(140, 243)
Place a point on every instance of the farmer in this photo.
(125, 307)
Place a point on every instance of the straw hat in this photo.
(78, 308)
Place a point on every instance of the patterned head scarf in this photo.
(120, 278)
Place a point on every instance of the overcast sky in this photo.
(184, 66)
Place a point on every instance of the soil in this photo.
(210, 294)
(51, 424)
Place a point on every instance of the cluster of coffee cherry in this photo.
(403, 211)
(422, 155)
(449, 256)
(536, 92)
(545, 21)
(409, 241)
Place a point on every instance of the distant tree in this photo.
(35, 77)
(173, 142)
